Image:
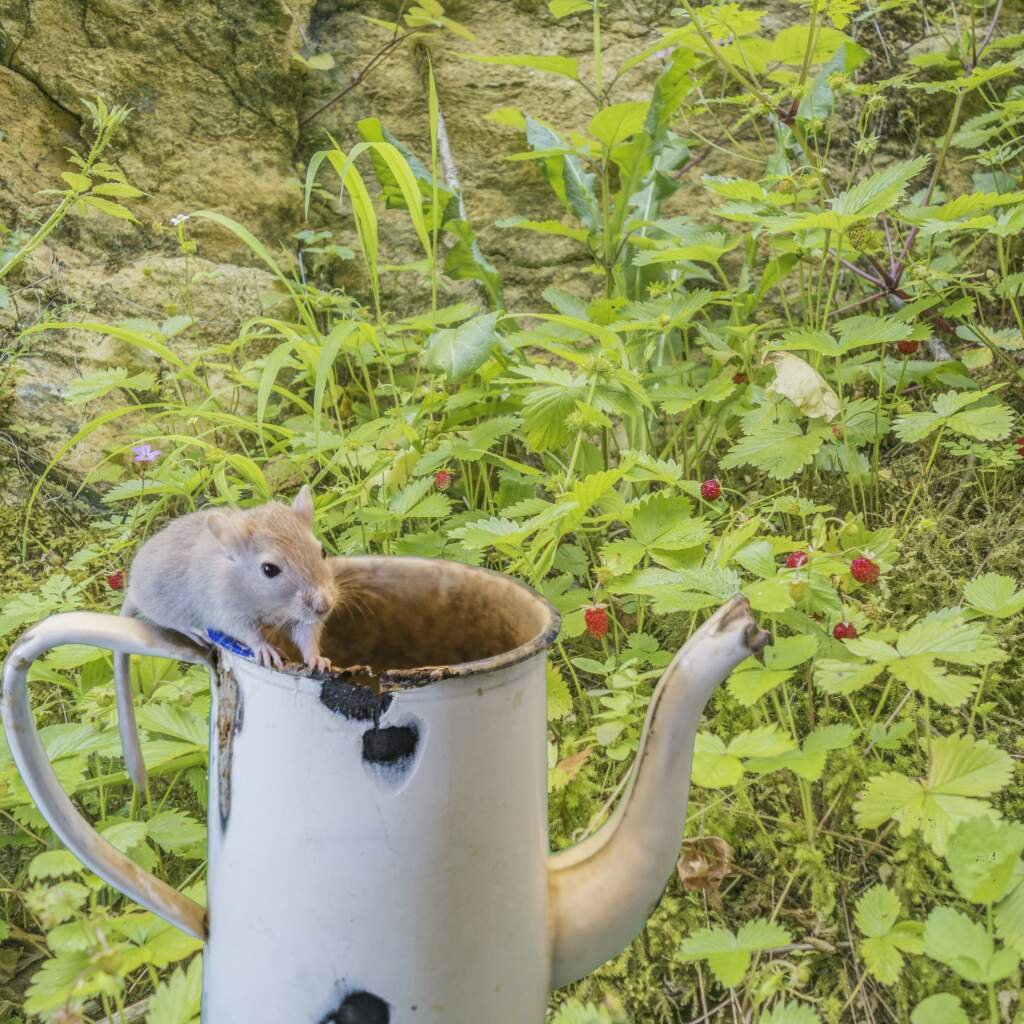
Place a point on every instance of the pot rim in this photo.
(412, 678)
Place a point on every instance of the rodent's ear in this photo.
(231, 533)
(303, 504)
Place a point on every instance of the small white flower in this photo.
(178, 218)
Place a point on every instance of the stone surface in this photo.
(221, 119)
(213, 87)
(219, 297)
(494, 187)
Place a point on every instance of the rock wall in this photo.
(225, 116)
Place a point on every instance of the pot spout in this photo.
(604, 889)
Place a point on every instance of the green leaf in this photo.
(809, 761)
(79, 182)
(886, 941)
(939, 1009)
(1009, 919)
(461, 351)
(994, 595)
(729, 955)
(879, 192)
(991, 422)
(574, 1012)
(175, 830)
(176, 1000)
(751, 680)
(53, 864)
(101, 382)
(780, 449)
(272, 366)
(465, 261)
(713, 766)
(953, 939)
(962, 771)
(117, 189)
(110, 208)
(877, 911)
(616, 123)
(769, 596)
(790, 1013)
(563, 8)
(983, 856)
(559, 699)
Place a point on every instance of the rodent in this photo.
(240, 571)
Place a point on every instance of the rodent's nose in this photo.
(319, 603)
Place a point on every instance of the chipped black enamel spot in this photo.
(392, 746)
(360, 1008)
(359, 703)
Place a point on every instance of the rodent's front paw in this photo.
(318, 663)
(268, 656)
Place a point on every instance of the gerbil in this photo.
(240, 571)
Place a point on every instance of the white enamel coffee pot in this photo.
(379, 854)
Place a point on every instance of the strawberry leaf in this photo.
(962, 771)
(728, 955)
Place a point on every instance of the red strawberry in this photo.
(740, 378)
(711, 490)
(596, 619)
(863, 570)
(116, 580)
(796, 559)
(442, 479)
(845, 631)
(907, 347)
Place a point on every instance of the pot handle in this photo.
(115, 634)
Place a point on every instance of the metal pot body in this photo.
(377, 853)
(378, 864)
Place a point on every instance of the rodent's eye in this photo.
(323, 551)
(270, 570)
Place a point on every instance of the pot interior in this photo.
(397, 615)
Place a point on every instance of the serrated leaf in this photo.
(953, 939)
(983, 856)
(885, 940)
(176, 1000)
(109, 207)
(961, 772)
(53, 864)
(994, 595)
(880, 191)
(729, 955)
(617, 122)
(559, 699)
(175, 830)
(713, 766)
(764, 741)
(101, 382)
(780, 450)
(790, 1013)
(942, 1008)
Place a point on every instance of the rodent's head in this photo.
(280, 571)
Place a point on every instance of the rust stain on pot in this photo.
(229, 724)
